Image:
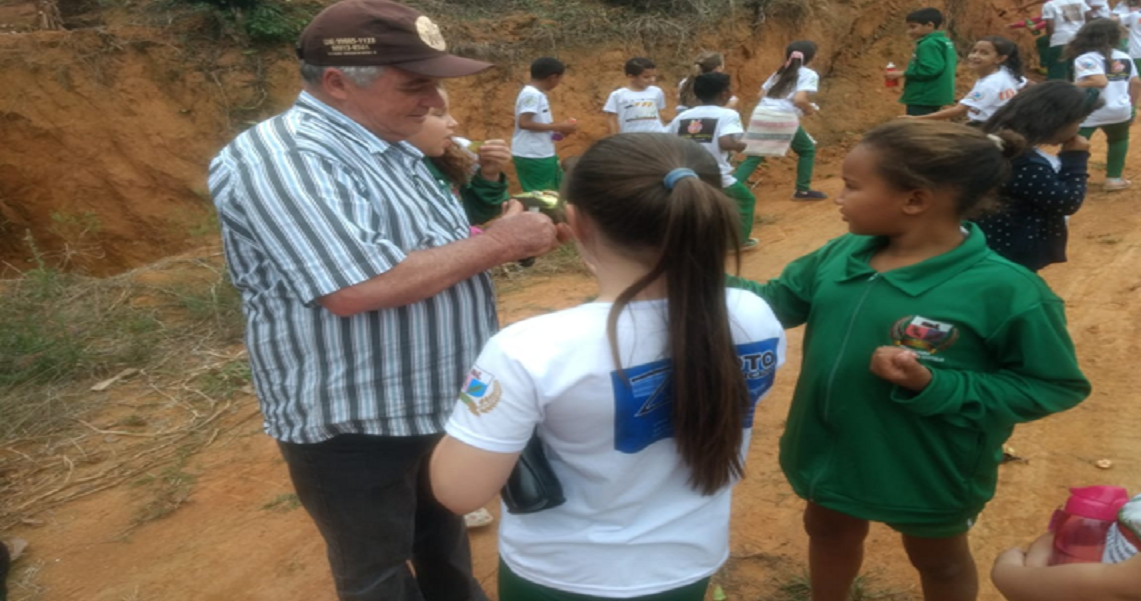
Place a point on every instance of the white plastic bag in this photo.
(770, 132)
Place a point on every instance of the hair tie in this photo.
(998, 143)
(792, 55)
(671, 178)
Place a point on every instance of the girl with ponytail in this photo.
(790, 89)
(643, 398)
(706, 62)
(998, 65)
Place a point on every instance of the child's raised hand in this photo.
(1079, 143)
(901, 367)
(493, 154)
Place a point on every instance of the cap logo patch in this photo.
(349, 46)
(430, 33)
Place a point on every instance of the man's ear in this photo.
(335, 84)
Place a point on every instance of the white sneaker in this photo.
(1117, 183)
(478, 518)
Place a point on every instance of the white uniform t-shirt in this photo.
(706, 125)
(637, 111)
(1117, 108)
(1100, 8)
(1068, 17)
(532, 144)
(631, 524)
(990, 93)
(1132, 22)
(807, 80)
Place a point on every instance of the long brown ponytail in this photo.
(706, 62)
(686, 232)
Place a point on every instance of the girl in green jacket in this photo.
(474, 174)
(922, 351)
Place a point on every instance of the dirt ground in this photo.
(236, 533)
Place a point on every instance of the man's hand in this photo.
(522, 234)
(493, 154)
(901, 367)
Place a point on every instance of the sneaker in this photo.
(1117, 183)
(809, 195)
(750, 244)
(478, 518)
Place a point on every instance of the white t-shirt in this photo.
(532, 144)
(990, 93)
(637, 111)
(807, 80)
(1117, 108)
(1122, 8)
(1100, 8)
(1132, 22)
(631, 524)
(1068, 17)
(706, 125)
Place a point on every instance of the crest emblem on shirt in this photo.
(695, 126)
(924, 336)
(481, 392)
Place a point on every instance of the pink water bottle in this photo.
(1081, 526)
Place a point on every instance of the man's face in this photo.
(640, 82)
(393, 107)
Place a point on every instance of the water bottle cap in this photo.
(1097, 502)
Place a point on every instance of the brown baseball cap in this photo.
(365, 33)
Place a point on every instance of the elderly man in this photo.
(367, 299)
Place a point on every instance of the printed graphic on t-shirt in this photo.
(640, 110)
(924, 336)
(481, 391)
(1073, 12)
(643, 394)
(698, 130)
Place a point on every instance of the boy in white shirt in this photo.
(1063, 19)
(533, 146)
(1130, 18)
(719, 131)
(638, 106)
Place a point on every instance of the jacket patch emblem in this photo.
(922, 335)
(481, 392)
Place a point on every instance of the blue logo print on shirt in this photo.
(642, 398)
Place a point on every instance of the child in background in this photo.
(642, 398)
(1025, 576)
(962, 345)
(638, 106)
(790, 89)
(996, 61)
(1029, 226)
(533, 147)
(1063, 20)
(929, 81)
(474, 176)
(706, 62)
(1130, 19)
(719, 131)
(1100, 65)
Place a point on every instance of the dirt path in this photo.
(239, 534)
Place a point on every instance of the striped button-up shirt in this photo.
(310, 202)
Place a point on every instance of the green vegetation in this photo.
(60, 333)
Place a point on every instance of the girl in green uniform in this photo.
(922, 351)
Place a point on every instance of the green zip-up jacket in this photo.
(994, 337)
(482, 198)
(930, 76)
